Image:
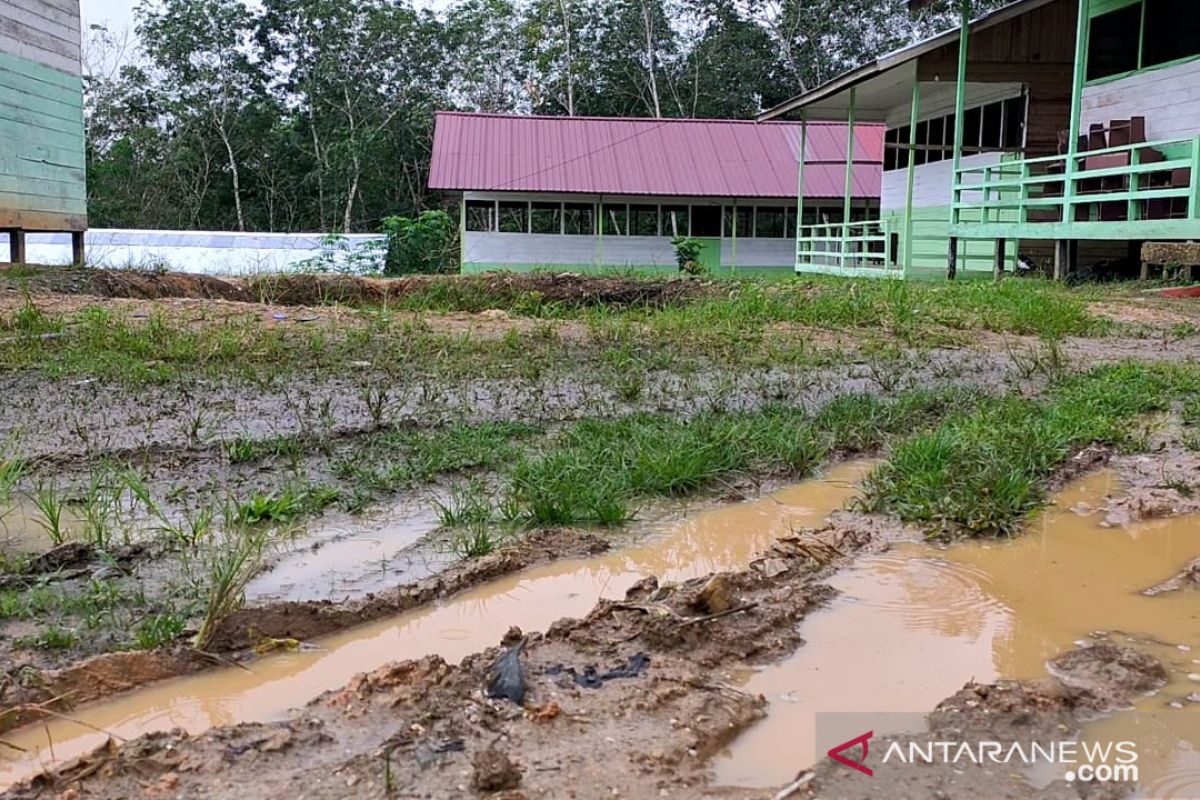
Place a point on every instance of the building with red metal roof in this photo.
(585, 192)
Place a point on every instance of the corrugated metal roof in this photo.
(664, 157)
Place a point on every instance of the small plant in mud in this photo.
(230, 562)
(50, 506)
(12, 469)
(240, 451)
(283, 506)
(467, 505)
(158, 630)
(1047, 359)
(475, 540)
(52, 638)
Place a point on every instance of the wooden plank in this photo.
(67, 79)
(22, 125)
(67, 17)
(64, 32)
(25, 131)
(67, 95)
(54, 114)
(18, 201)
(42, 187)
(35, 55)
(40, 221)
(42, 40)
(41, 151)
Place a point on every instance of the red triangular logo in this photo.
(860, 765)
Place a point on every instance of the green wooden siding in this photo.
(42, 162)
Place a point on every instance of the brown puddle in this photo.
(723, 539)
(914, 624)
(349, 558)
(22, 529)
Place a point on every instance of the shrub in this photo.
(687, 255)
(426, 245)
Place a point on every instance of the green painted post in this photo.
(733, 244)
(800, 183)
(600, 232)
(462, 231)
(960, 103)
(1194, 196)
(915, 116)
(847, 200)
(1081, 48)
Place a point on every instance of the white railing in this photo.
(845, 247)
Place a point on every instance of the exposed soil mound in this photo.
(155, 286)
(1109, 672)
(456, 292)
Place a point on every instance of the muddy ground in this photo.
(422, 729)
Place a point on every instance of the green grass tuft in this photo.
(984, 469)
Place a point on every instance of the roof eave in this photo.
(897, 58)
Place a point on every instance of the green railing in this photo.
(845, 247)
(1125, 186)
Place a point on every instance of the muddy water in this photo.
(721, 539)
(22, 530)
(348, 558)
(914, 624)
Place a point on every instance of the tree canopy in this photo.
(317, 115)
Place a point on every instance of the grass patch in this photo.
(984, 469)
(596, 470)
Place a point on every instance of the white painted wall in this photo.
(760, 252)
(1168, 98)
(200, 252)
(932, 183)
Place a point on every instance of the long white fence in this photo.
(209, 252)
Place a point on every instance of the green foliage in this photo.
(687, 255)
(51, 506)
(985, 467)
(474, 540)
(426, 245)
(52, 638)
(229, 564)
(157, 630)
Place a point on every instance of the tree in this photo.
(203, 46)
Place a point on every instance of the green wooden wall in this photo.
(42, 169)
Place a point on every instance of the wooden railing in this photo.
(845, 247)
(1128, 186)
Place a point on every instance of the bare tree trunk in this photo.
(562, 7)
(348, 215)
(651, 56)
(233, 168)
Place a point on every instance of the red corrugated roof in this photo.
(686, 158)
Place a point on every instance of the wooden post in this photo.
(998, 269)
(733, 242)
(912, 177)
(462, 232)
(849, 192)
(600, 232)
(78, 254)
(800, 184)
(960, 103)
(16, 246)
(1082, 33)
(1064, 258)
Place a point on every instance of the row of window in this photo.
(644, 219)
(1144, 34)
(995, 126)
